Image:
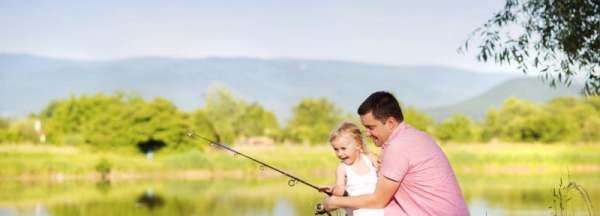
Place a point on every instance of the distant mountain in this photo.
(28, 83)
(526, 88)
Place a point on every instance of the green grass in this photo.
(35, 160)
(467, 159)
(523, 159)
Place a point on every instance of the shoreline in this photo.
(490, 170)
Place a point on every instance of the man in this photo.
(415, 177)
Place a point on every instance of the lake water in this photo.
(262, 197)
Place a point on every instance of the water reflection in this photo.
(150, 200)
(283, 207)
(103, 186)
(40, 210)
(241, 197)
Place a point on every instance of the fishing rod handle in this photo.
(331, 193)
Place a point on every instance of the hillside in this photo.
(29, 83)
(526, 88)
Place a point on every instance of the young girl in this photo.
(357, 172)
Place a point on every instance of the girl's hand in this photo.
(326, 189)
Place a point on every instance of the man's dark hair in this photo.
(382, 105)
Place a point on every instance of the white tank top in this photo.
(362, 184)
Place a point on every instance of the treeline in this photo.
(124, 120)
(564, 119)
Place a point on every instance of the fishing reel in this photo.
(320, 210)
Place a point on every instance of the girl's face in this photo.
(346, 149)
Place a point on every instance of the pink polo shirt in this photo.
(428, 185)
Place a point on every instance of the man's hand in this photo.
(384, 192)
(319, 209)
(328, 203)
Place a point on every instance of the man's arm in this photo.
(384, 191)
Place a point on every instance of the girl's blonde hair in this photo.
(350, 129)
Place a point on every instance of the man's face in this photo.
(378, 131)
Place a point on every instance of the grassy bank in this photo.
(36, 161)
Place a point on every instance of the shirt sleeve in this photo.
(394, 163)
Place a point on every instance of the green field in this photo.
(43, 161)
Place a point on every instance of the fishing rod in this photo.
(318, 209)
(293, 179)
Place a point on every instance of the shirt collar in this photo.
(395, 133)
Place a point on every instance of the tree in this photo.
(256, 121)
(18, 131)
(589, 130)
(4, 133)
(158, 122)
(233, 117)
(555, 38)
(106, 121)
(417, 119)
(64, 119)
(313, 120)
(580, 114)
(109, 128)
(522, 121)
(222, 109)
(4, 123)
(202, 126)
(458, 128)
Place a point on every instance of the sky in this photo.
(383, 32)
